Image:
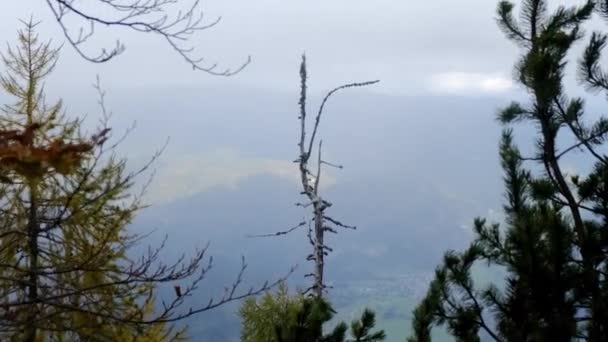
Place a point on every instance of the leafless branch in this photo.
(301, 224)
(144, 16)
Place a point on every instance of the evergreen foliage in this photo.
(553, 244)
(281, 317)
(261, 317)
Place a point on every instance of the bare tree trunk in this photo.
(310, 187)
(32, 294)
(319, 254)
(590, 273)
(311, 182)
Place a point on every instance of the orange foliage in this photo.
(18, 153)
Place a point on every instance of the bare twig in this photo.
(145, 16)
(301, 224)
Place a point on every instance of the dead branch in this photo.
(145, 16)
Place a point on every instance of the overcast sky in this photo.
(414, 47)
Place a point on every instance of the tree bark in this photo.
(32, 293)
(319, 252)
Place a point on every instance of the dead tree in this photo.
(310, 177)
(145, 16)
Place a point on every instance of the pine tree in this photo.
(66, 271)
(281, 317)
(554, 242)
(361, 329)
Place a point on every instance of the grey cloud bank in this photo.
(408, 45)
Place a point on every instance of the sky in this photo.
(437, 48)
(413, 47)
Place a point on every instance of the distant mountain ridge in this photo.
(417, 171)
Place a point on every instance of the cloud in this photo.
(186, 175)
(469, 83)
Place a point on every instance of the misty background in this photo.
(419, 148)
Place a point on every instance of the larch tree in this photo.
(285, 317)
(553, 244)
(67, 268)
(261, 317)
